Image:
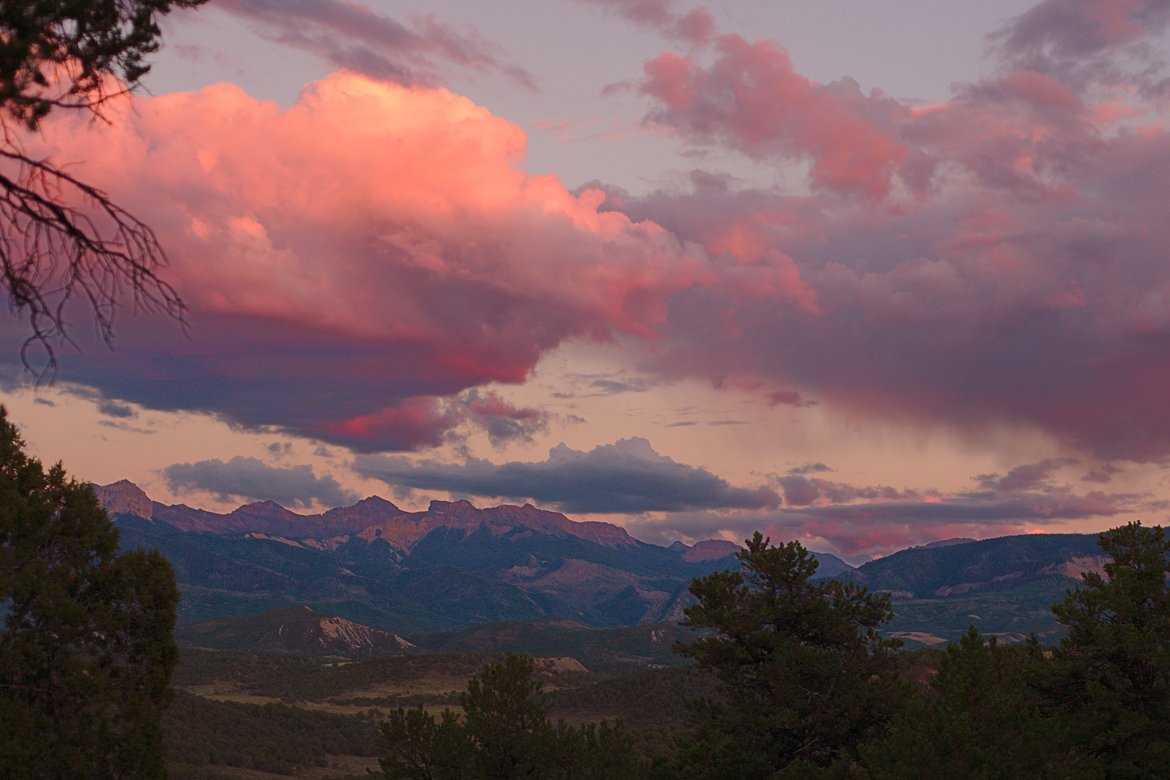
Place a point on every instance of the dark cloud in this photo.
(788, 398)
(863, 520)
(278, 449)
(353, 36)
(115, 409)
(1102, 475)
(503, 421)
(881, 527)
(627, 476)
(122, 425)
(610, 386)
(1026, 477)
(594, 385)
(809, 468)
(250, 479)
(800, 490)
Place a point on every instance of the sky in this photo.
(866, 275)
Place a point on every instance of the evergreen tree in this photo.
(507, 718)
(805, 676)
(982, 718)
(86, 650)
(1113, 669)
(505, 733)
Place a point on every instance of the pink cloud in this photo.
(1000, 260)
(347, 258)
(412, 424)
(752, 97)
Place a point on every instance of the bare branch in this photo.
(62, 239)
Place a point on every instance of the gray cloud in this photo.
(352, 36)
(809, 468)
(502, 421)
(249, 478)
(1029, 476)
(627, 476)
(869, 527)
(115, 409)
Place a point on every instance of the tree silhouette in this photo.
(86, 650)
(61, 238)
(1113, 681)
(805, 676)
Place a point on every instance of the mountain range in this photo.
(454, 567)
(451, 566)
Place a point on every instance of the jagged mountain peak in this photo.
(371, 518)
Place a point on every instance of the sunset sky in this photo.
(866, 275)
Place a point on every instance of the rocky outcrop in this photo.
(124, 497)
(299, 630)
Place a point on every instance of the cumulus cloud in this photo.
(990, 260)
(358, 262)
(246, 478)
(627, 476)
(355, 262)
(752, 98)
(353, 36)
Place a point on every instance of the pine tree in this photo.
(982, 718)
(1113, 668)
(504, 734)
(86, 650)
(805, 675)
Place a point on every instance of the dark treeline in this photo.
(276, 738)
(805, 686)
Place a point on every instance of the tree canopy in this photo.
(86, 650)
(61, 238)
(504, 734)
(806, 677)
(1113, 668)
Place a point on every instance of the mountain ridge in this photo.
(455, 566)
